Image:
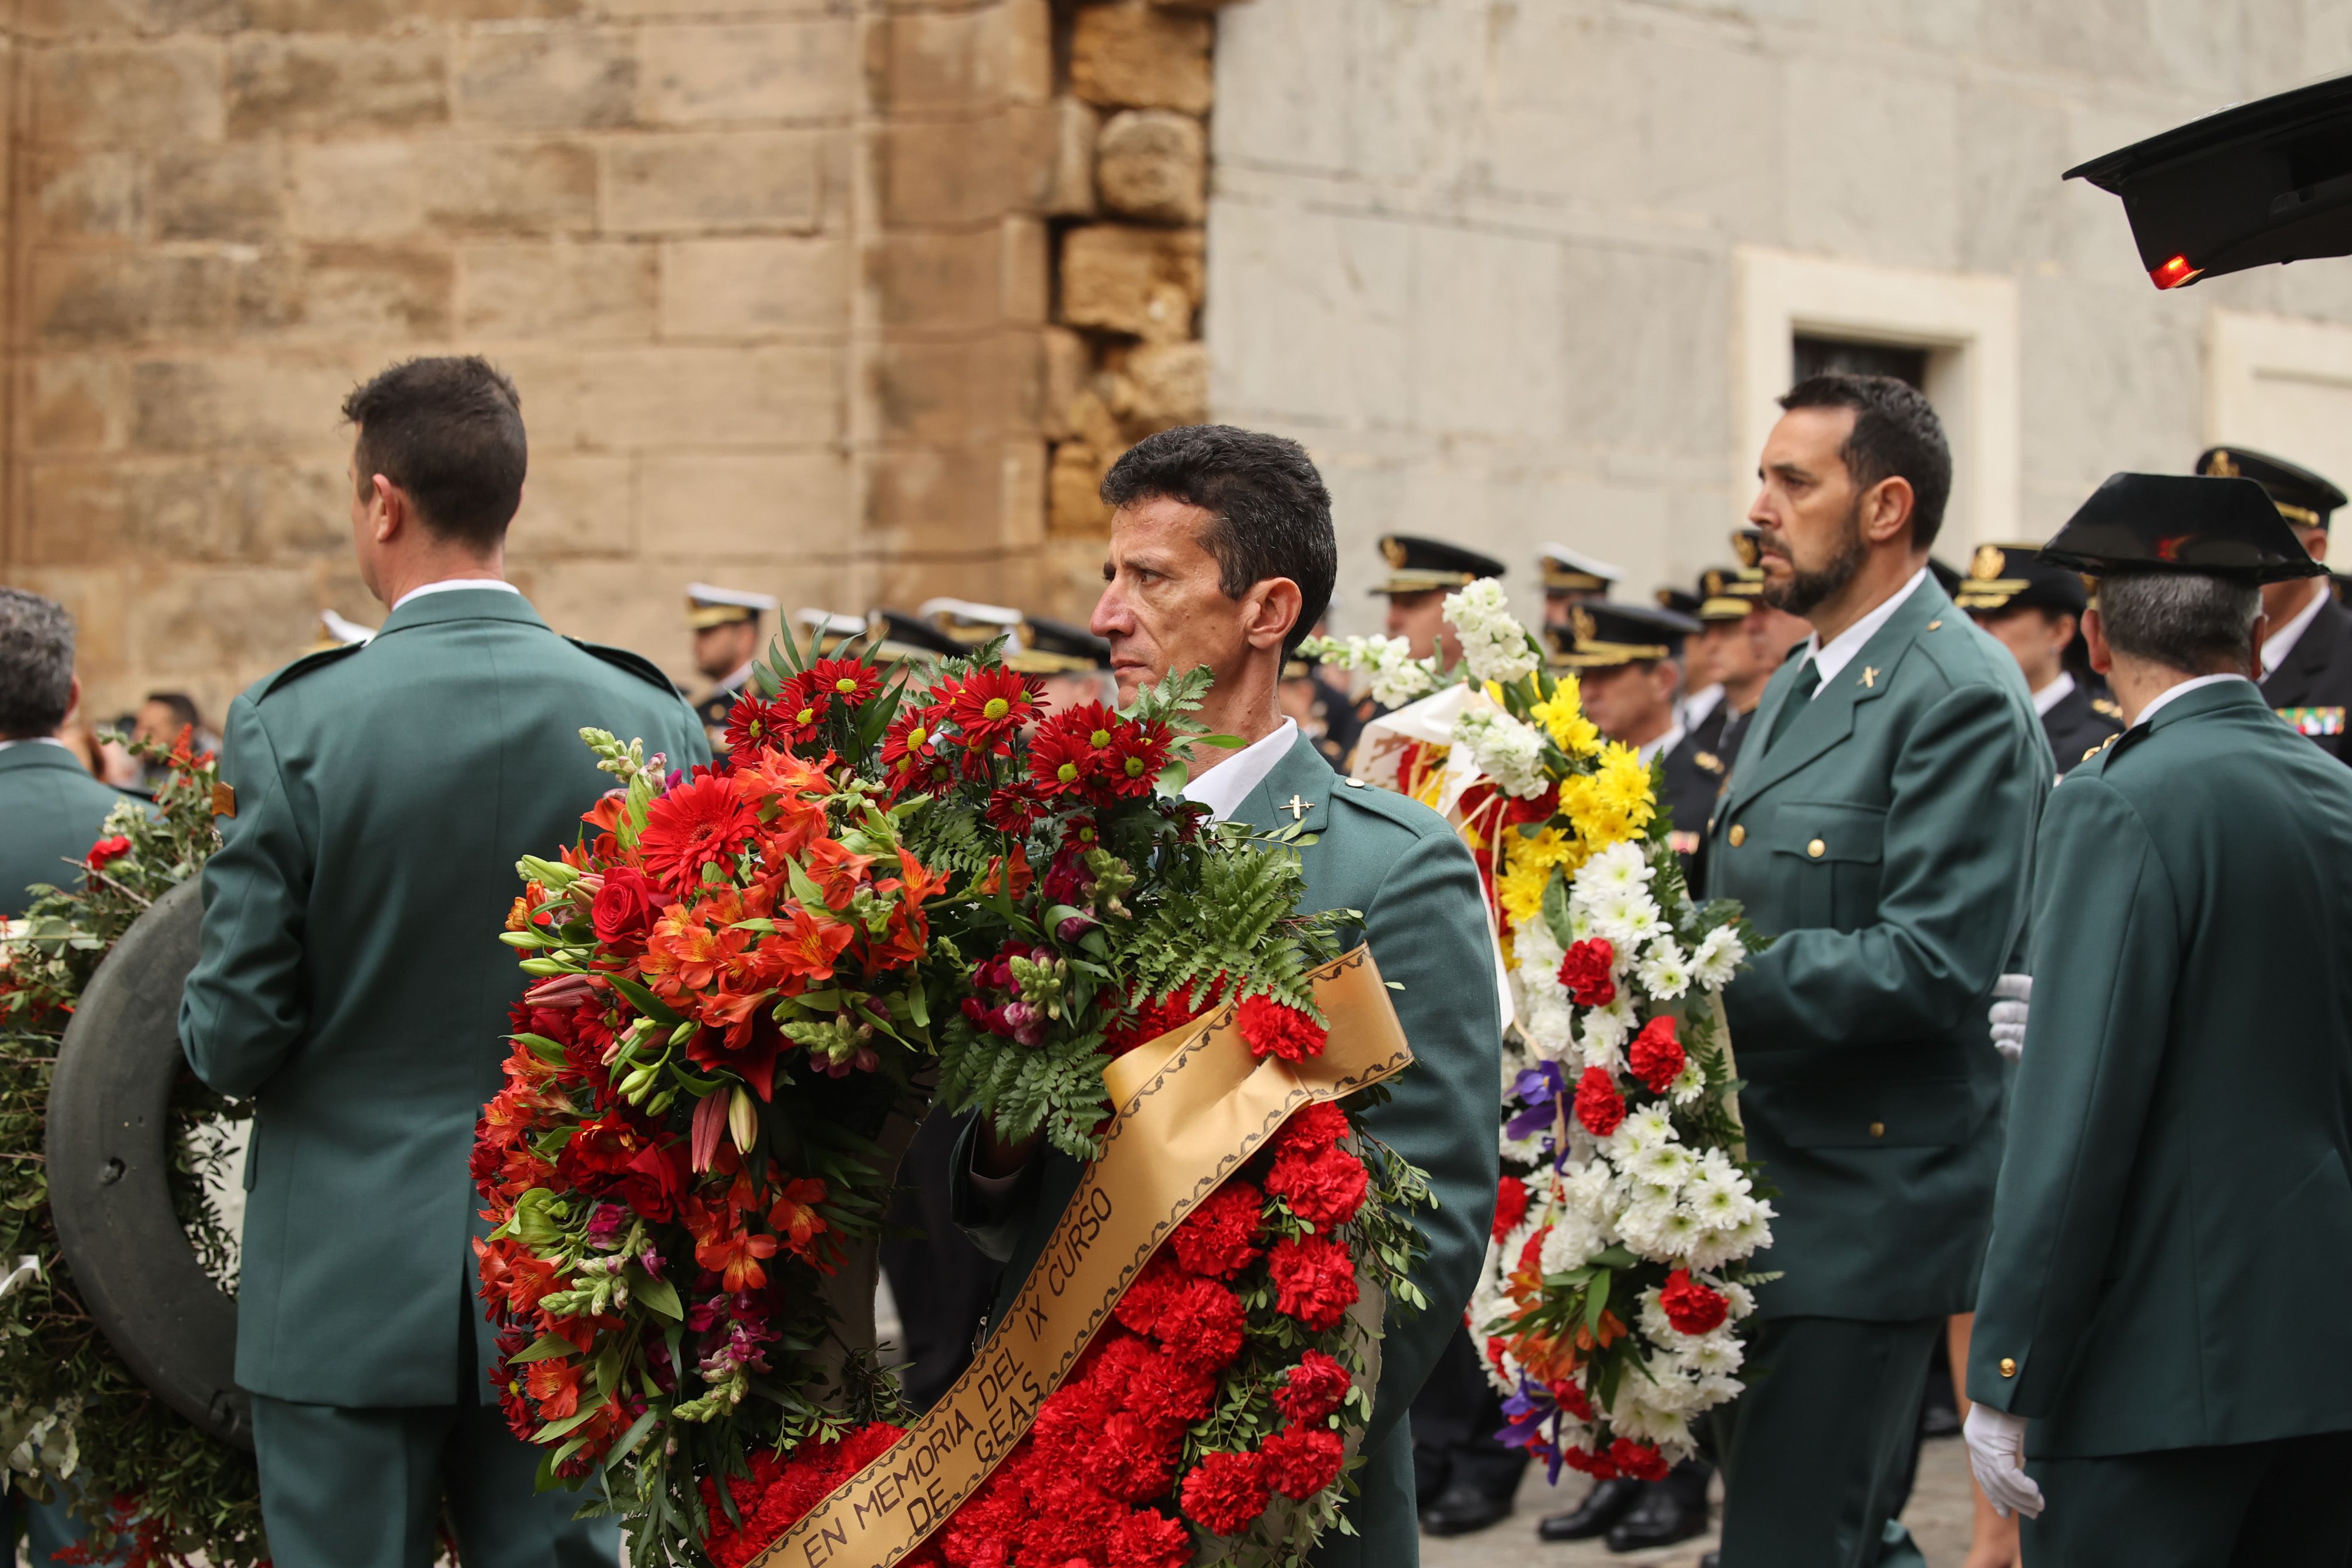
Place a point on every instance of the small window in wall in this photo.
(1816, 356)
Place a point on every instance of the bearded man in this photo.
(1221, 556)
(1879, 825)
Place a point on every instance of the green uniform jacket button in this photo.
(2008, 1366)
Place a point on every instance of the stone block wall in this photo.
(846, 300)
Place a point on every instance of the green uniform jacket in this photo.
(51, 812)
(1398, 862)
(2172, 1246)
(351, 979)
(1886, 843)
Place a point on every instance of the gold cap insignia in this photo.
(2220, 467)
(1743, 545)
(1713, 584)
(1989, 562)
(1393, 553)
(1580, 619)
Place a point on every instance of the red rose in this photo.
(1276, 1028)
(652, 1182)
(1324, 1189)
(1147, 1540)
(598, 1153)
(1640, 1460)
(1226, 1492)
(1314, 1281)
(1690, 1306)
(1598, 1106)
(1219, 1239)
(107, 850)
(1313, 1389)
(1585, 971)
(1510, 1206)
(1300, 1461)
(1655, 1055)
(626, 906)
(1317, 1124)
(1201, 1326)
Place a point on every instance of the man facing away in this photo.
(52, 809)
(2160, 1330)
(352, 983)
(1222, 555)
(1878, 826)
(2034, 609)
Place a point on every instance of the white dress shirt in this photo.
(2281, 642)
(2155, 704)
(1224, 788)
(1694, 708)
(1651, 749)
(1843, 647)
(2056, 692)
(451, 585)
(36, 740)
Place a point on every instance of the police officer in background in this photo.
(2035, 610)
(1571, 576)
(2307, 655)
(726, 627)
(1720, 650)
(1072, 662)
(1421, 573)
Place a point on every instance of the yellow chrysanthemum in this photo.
(1520, 890)
(1562, 716)
(1550, 847)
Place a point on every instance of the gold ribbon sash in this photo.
(1190, 1107)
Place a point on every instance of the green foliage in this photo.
(69, 1408)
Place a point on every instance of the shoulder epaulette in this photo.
(305, 664)
(637, 664)
(1401, 809)
(2107, 707)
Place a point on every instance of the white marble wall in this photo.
(1479, 254)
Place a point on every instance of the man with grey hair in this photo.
(54, 810)
(2161, 1369)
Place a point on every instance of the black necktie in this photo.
(1800, 695)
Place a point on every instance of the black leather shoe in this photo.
(1666, 1513)
(1463, 1509)
(1602, 1507)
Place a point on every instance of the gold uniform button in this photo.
(1934, 625)
(2009, 1366)
(1816, 849)
(1739, 835)
(1878, 1129)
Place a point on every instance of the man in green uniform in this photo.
(2307, 654)
(352, 983)
(2034, 609)
(53, 811)
(1878, 826)
(1187, 585)
(2159, 1331)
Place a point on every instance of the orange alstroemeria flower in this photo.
(803, 948)
(554, 1386)
(793, 1214)
(687, 950)
(735, 1255)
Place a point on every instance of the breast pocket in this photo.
(1830, 852)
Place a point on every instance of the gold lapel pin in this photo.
(1870, 675)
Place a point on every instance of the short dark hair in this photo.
(449, 432)
(183, 706)
(1270, 511)
(2181, 620)
(36, 659)
(1895, 435)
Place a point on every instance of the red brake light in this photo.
(2175, 273)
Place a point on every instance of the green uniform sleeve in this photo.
(2106, 946)
(245, 1007)
(1427, 928)
(1955, 874)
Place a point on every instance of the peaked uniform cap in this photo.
(827, 629)
(1728, 593)
(2015, 577)
(1566, 571)
(968, 622)
(710, 605)
(1416, 564)
(2171, 522)
(1051, 647)
(1681, 600)
(2303, 498)
(899, 636)
(1602, 634)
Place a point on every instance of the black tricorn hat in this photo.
(2174, 522)
(1603, 634)
(1416, 564)
(2015, 577)
(2303, 498)
(2265, 181)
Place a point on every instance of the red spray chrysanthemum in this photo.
(701, 823)
(849, 682)
(801, 708)
(754, 722)
(991, 703)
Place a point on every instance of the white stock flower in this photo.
(1663, 970)
(1719, 955)
(1493, 644)
(1397, 676)
(1509, 752)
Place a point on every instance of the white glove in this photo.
(2010, 994)
(1997, 1455)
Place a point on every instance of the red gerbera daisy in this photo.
(701, 823)
(849, 681)
(992, 703)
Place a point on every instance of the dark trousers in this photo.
(942, 1282)
(364, 1488)
(1455, 1418)
(1815, 1452)
(2282, 1504)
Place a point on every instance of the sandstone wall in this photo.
(1483, 256)
(818, 297)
